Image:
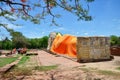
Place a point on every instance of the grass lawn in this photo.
(22, 69)
(23, 60)
(7, 60)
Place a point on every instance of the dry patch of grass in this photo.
(45, 68)
(111, 73)
(22, 71)
(118, 68)
(16, 73)
(102, 72)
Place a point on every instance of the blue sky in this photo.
(106, 22)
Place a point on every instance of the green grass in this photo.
(23, 59)
(45, 68)
(17, 70)
(6, 60)
(105, 72)
(118, 68)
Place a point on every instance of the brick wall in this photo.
(115, 51)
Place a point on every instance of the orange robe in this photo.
(65, 44)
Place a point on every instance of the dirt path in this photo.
(71, 70)
(105, 65)
(46, 59)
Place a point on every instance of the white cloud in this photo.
(9, 24)
(102, 35)
(85, 33)
(77, 32)
(12, 26)
(43, 33)
(3, 20)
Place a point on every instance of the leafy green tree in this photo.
(44, 42)
(6, 44)
(25, 9)
(38, 42)
(0, 44)
(118, 42)
(35, 43)
(18, 39)
(115, 40)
